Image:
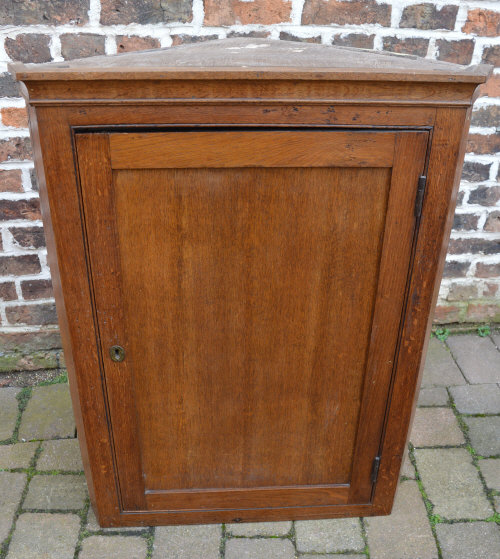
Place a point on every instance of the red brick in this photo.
(492, 224)
(475, 172)
(415, 46)
(37, 289)
(474, 246)
(429, 16)
(486, 116)
(48, 12)
(126, 43)
(30, 47)
(483, 143)
(8, 86)
(460, 292)
(32, 315)
(18, 118)
(490, 290)
(15, 149)
(356, 12)
(20, 209)
(28, 342)
(454, 269)
(492, 87)
(264, 12)
(188, 39)
(482, 22)
(487, 270)
(19, 265)
(465, 222)
(81, 45)
(458, 52)
(480, 312)
(357, 40)
(284, 36)
(115, 12)
(485, 195)
(28, 237)
(10, 181)
(448, 313)
(8, 291)
(491, 55)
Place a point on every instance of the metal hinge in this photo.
(375, 468)
(422, 180)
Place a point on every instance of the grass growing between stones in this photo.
(30, 472)
(22, 401)
(366, 549)
(483, 331)
(61, 379)
(429, 506)
(476, 458)
(223, 540)
(149, 536)
(441, 334)
(83, 514)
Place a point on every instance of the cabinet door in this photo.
(256, 281)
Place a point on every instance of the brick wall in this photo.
(458, 31)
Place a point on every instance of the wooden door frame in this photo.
(61, 210)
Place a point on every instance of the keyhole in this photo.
(117, 353)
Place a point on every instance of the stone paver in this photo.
(484, 433)
(93, 525)
(242, 548)
(436, 427)
(49, 492)
(8, 411)
(63, 454)
(478, 358)
(327, 536)
(433, 397)
(476, 398)
(407, 468)
(259, 528)
(491, 472)
(16, 455)
(113, 547)
(335, 556)
(452, 483)
(48, 414)
(440, 369)
(406, 532)
(495, 336)
(473, 540)
(11, 490)
(187, 542)
(44, 536)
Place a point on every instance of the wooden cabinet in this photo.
(246, 240)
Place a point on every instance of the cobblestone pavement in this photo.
(446, 508)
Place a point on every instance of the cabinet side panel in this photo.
(58, 294)
(68, 263)
(443, 177)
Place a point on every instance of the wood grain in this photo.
(250, 58)
(225, 149)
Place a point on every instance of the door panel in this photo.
(248, 292)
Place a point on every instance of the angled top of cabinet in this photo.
(245, 59)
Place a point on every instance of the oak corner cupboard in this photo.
(246, 239)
